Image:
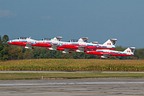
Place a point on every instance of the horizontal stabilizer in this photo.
(95, 42)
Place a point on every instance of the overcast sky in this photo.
(96, 19)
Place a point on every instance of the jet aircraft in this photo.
(105, 53)
(82, 45)
(29, 43)
(22, 41)
(72, 45)
(109, 44)
(48, 43)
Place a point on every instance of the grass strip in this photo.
(68, 75)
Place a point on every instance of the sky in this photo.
(98, 20)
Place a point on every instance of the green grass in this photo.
(39, 76)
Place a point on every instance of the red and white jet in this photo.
(72, 45)
(105, 53)
(109, 44)
(22, 41)
(48, 43)
(29, 43)
(82, 46)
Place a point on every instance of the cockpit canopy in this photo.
(46, 39)
(73, 40)
(22, 38)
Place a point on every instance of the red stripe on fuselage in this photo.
(18, 43)
(69, 46)
(42, 45)
(107, 53)
(95, 53)
(93, 48)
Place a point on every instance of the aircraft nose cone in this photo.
(9, 42)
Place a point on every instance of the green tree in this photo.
(0, 40)
(139, 53)
(28, 54)
(5, 39)
(4, 47)
(4, 53)
(120, 48)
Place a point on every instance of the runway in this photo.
(73, 87)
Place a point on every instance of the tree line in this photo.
(11, 52)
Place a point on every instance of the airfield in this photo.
(26, 78)
(131, 85)
(73, 87)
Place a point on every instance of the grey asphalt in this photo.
(73, 87)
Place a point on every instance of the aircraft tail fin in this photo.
(129, 50)
(30, 40)
(58, 38)
(83, 39)
(110, 42)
